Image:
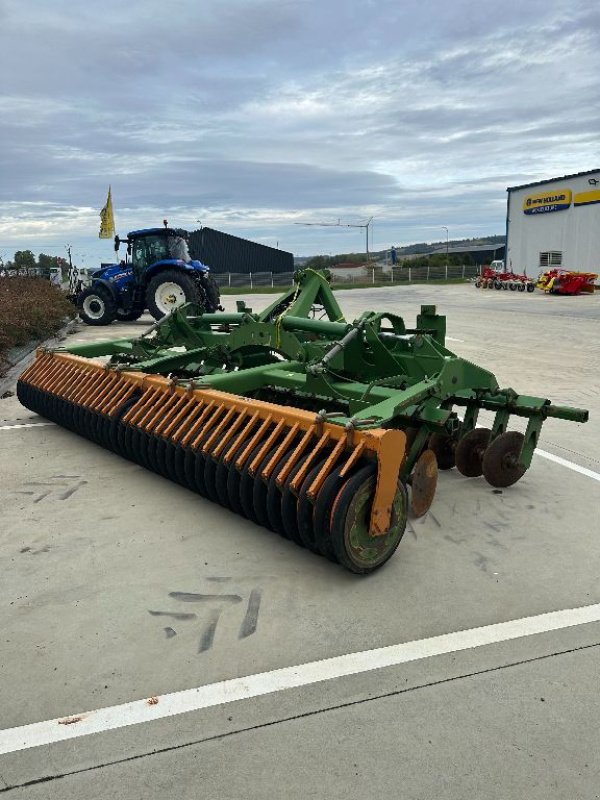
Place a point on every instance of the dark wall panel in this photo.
(225, 253)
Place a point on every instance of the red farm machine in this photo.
(497, 277)
(562, 281)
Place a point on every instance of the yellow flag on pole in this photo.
(107, 220)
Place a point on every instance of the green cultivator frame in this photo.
(303, 422)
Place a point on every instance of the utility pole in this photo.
(72, 275)
(447, 242)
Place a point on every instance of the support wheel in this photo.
(350, 518)
(169, 290)
(469, 452)
(521, 287)
(443, 447)
(501, 466)
(96, 306)
(530, 287)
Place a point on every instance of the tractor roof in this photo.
(158, 232)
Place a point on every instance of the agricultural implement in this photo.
(318, 428)
(562, 281)
(499, 278)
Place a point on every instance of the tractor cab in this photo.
(153, 245)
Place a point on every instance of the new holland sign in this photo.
(557, 200)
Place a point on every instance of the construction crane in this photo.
(340, 224)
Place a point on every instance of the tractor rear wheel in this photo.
(169, 290)
(212, 295)
(96, 306)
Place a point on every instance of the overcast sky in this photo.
(253, 115)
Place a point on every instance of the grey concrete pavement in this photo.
(119, 585)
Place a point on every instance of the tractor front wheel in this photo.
(96, 306)
(169, 290)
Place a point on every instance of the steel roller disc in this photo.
(274, 496)
(289, 505)
(157, 456)
(423, 482)
(501, 466)
(260, 490)
(128, 442)
(354, 548)
(246, 486)
(306, 509)
(200, 463)
(223, 469)
(190, 467)
(469, 452)
(210, 476)
(141, 448)
(233, 484)
(323, 512)
(234, 477)
(168, 456)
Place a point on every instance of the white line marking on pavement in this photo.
(263, 683)
(25, 425)
(568, 464)
(451, 339)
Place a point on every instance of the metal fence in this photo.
(375, 276)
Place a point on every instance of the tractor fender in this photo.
(188, 267)
(109, 285)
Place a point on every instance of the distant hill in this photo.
(420, 248)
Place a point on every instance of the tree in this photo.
(24, 260)
(318, 262)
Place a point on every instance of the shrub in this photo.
(30, 309)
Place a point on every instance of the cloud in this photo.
(253, 115)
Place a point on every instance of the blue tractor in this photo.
(158, 274)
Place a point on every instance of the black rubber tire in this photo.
(521, 287)
(512, 286)
(500, 467)
(128, 315)
(185, 282)
(364, 479)
(210, 288)
(107, 308)
(530, 287)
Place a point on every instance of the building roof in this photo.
(475, 248)
(553, 180)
